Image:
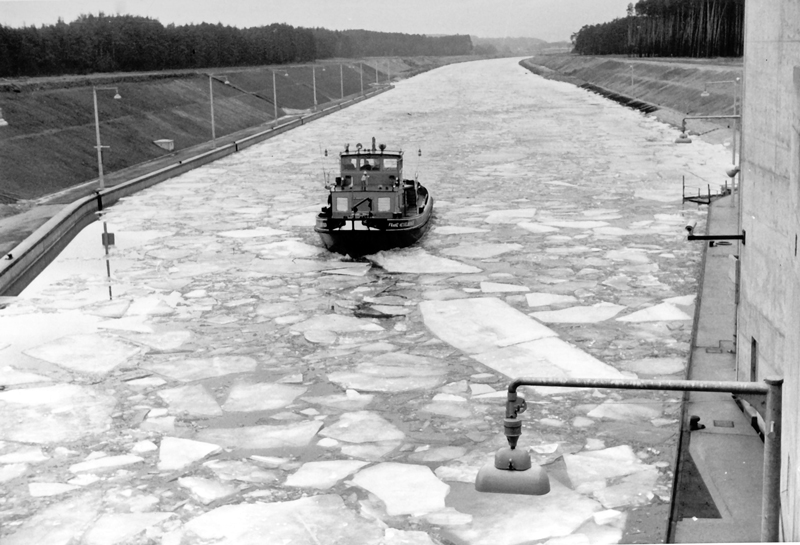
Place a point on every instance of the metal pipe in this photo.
(771, 492)
(771, 387)
(733, 387)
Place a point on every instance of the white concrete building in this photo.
(768, 330)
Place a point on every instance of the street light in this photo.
(97, 131)
(513, 472)
(314, 83)
(275, 91)
(211, 96)
(735, 83)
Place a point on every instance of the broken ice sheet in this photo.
(659, 313)
(306, 521)
(336, 322)
(351, 400)
(323, 475)
(393, 372)
(417, 261)
(193, 400)
(207, 490)
(11, 377)
(457, 230)
(496, 287)
(177, 453)
(191, 369)
(627, 409)
(90, 353)
(59, 523)
(362, 427)
(405, 489)
(481, 251)
(632, 491)
(62, 413)
(655, 366)
(518, 519)
(260, 396)
(238, 470)
(540, 299)
(480, 324)
(262, 437)
(510, 216)
(579, 315)
(112, 528)
(589, 467)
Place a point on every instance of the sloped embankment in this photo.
(673, 86)
(49, 143)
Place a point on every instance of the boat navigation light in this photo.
(383, 147)
(347, 148)
(359, 146)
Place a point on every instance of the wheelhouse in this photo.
(371, 184)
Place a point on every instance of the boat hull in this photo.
(380, 235)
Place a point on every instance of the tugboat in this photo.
(371, 207)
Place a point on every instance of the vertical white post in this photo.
(99, 148)
(314, 82)
(275, 96)
(211, 98)
(341, 79)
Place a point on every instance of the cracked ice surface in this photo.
(238, 362)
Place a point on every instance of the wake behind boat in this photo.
(371, 207)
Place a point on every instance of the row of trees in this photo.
(127, 43)
(669, 28)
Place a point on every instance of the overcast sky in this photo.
(550, 20)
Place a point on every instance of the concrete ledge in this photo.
(24, 263)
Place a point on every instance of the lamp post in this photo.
(735, 83)
(314, 84)
(275, 91)
(211, 100)
(684, 139)
(99, 146)
(513, 472)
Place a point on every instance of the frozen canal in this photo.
(242, 385)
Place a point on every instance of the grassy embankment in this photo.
(49, 143)
(674, 86)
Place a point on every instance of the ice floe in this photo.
(405, 489)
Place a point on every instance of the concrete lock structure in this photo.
(768, 314)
